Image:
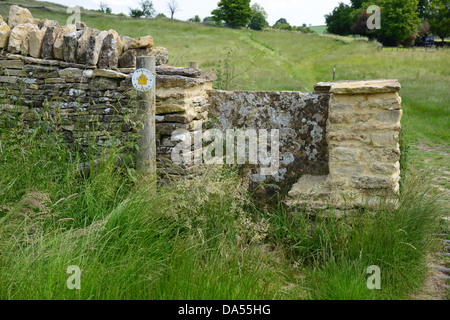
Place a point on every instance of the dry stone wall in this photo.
(362, 133)
(338, 145)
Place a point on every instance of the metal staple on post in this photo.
(146, 155)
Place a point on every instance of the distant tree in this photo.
(211, 20)
(360, 25)
(161, 15)
(340, 20)
(104, 7)
(195, 19)
(439, 18)
(280, 22)
(235, 13)
(256, 8)
(258, 22)
(136, 13)
(173, 7)
(147, 8)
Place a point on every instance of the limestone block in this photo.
(161, 55)
(18, 40)
(365, 87)
(137, 43)
(385, 168)
(70, 46)
(35, 21)
(372, 182)
(345, 154)
(18, 15)
(111, 49)
(88, 47)
(5, 32)
(35, 42)
(128, 58)
(59, 40)
(48, 41)
(46, 23)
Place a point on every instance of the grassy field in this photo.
(132, 242)
(318, 29)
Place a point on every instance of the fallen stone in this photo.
(5, 32)
(35, 39)
(59, 40)
(18, 15)
(70, 46)
(18, 39)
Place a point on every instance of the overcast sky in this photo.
(296, 12)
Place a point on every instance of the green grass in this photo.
(192, 239)
(318, 29)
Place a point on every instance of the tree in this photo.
(340, 20)
(439, 18)
(104, 7)
(173, 7)
(195, 19)
(399, 20)
(258, 22)
(235, 13)
(281, 21)
(147, 8)
(136, 13)
(358, 4)
(256, 8)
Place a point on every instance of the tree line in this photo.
(229, 13)
(403, 22)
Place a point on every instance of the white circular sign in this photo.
(143, 80)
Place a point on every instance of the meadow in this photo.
(206, 239)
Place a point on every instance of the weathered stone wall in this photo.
(301, 121)
(362, 134)
(338, 146)
(100, 103)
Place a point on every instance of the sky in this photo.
(296, 12)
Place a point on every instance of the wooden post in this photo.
(146, 156)
(193, 65)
